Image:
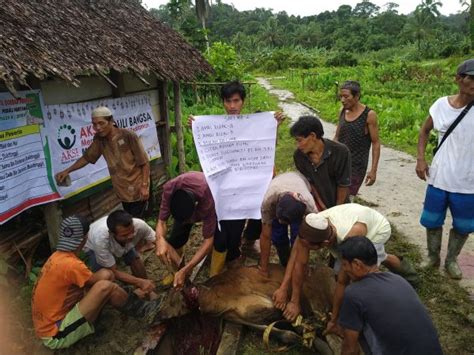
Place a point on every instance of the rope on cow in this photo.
(308, 334)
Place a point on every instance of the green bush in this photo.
(225, 62)
(341, 59)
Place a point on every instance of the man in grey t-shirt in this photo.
(286, 201)
(380, 310)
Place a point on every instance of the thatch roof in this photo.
(66, 38)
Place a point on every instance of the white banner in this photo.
(25, 169)
(69, 132)
(237, 155)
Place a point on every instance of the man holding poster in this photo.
(228, 236)
(126, 160)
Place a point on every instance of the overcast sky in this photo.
(312, 7)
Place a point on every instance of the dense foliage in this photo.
(276, 41)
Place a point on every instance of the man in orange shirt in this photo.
(68, 297)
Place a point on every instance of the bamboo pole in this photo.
(179, 127)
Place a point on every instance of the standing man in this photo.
(126, 159)
(380, 311)
(228, 238)
(68, 297)
(328, 229)
(326, 164)
(450, 176)
(121, 236)
(286, 201)
(358, 129)
(189, 200)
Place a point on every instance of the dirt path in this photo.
(398, 192)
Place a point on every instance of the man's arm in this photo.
(163, 249)
(265, 246)
(341, 194)
(338, 127)
(421, 165)
(143, 284)
(81, 162)
(342, 282)
(180, 276)
(374, 137)
(350, 344)
(145, 187)
(280, 296)
(293, 308)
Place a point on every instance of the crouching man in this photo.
(380, 310)
(68, 297)
(285, 203)
(189, 200)
(327, 229)
(121, 236)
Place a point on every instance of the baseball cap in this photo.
(290, 209)
(71, 233)
(466, 68)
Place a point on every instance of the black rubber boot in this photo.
(407, 271)
(433, 242)
(455, 244)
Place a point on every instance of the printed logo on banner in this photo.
(66, 136)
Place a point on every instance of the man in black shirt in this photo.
(326, 164)
(380, 310)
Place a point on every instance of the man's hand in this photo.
(422, 169)
(280, 117)
(179, 279)
(163, 251)
(146, 285)
(280, 297)
(370, 178)
(61, 176)
(334, 328)
(263, 271)
(144, 192)
(292, 310)
(190, 121)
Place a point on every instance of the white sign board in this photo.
(25, 169)
(70, 133)
(237, 155)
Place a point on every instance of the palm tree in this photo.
(202, 12)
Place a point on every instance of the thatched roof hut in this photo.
(83, 50)
(67, 38)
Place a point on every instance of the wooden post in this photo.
(179, 127)
(117, 79)
(53, 217)
(164, 121)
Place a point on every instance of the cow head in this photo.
(178, 302)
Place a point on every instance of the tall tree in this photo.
(202, 12)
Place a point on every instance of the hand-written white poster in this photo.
(237, 154)
(70, 133)
(25, 169)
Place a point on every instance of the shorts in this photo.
(72, 328)
(436, 204)
(128, 258)
(356, 182)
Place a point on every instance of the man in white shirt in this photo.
(121, 236)
(450, 176)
